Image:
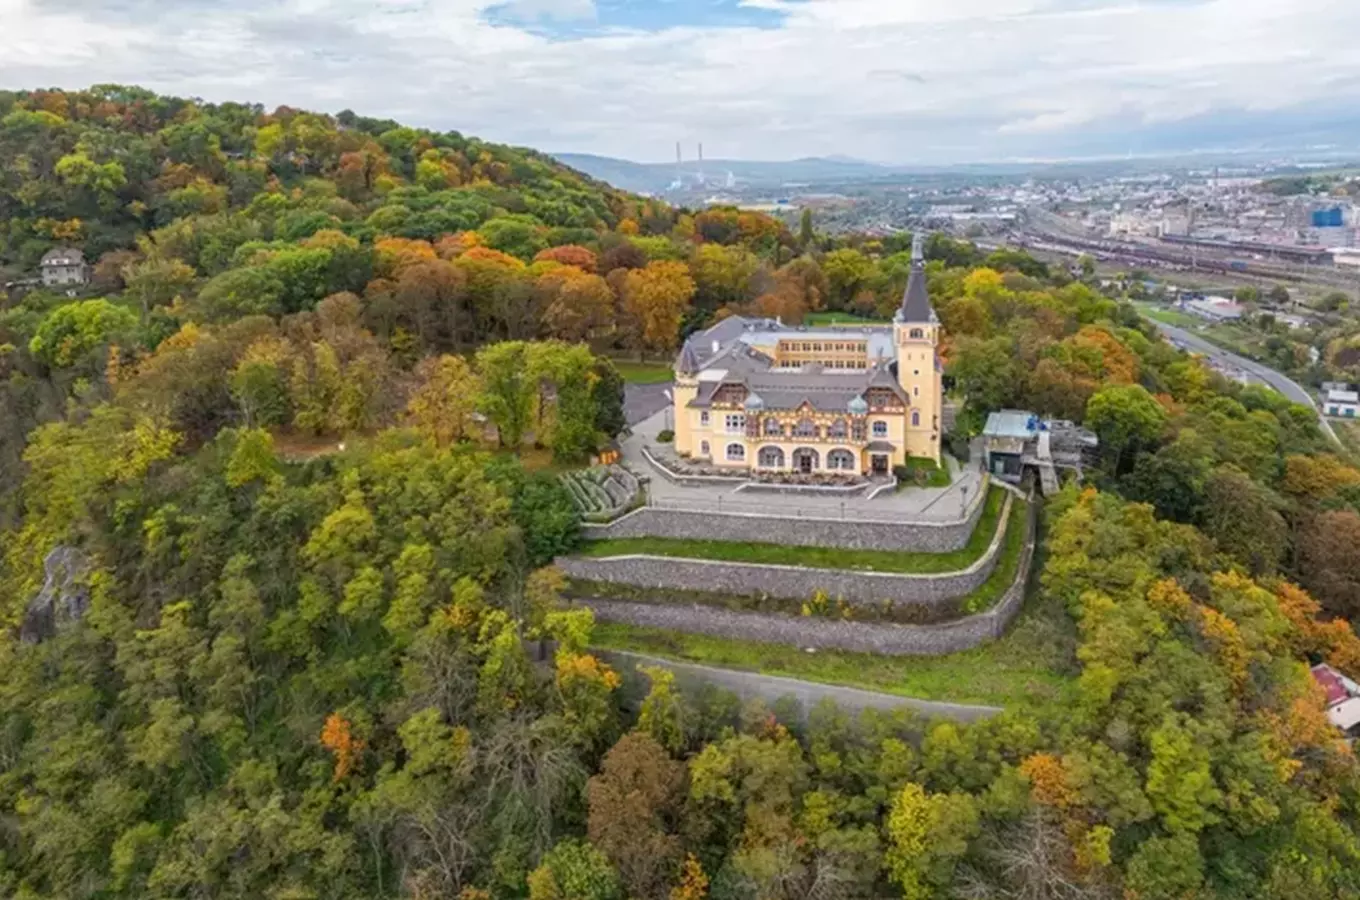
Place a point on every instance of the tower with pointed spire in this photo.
(916, 336)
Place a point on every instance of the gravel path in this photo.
(771, 688)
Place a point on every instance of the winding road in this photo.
(1264, 374)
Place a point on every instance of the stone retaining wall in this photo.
(803, 531)
(774, 689)
(833, 634)
(789, 582)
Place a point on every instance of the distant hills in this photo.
(828, 172)
(653, 178)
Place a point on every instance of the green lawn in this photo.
(816, 557)
(839, 318)
(1170, 316)
(635, 372)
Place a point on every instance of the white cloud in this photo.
(901, 80)
(565, 10)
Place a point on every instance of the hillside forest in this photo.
(278, 508)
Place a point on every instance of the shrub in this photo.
(922, 473)
(665, 437)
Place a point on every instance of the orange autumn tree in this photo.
(569, 255)
(337, 737)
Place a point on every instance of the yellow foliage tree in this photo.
(655, 298)
(444, 399)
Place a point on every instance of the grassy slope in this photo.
(1029, 668)
(840, 318)
(634, 372)
(1170, 316)
(816, 557)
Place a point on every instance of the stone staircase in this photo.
(1048, 475)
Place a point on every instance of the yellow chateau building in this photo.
(754, 394)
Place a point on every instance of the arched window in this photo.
(805, 428)
(771, 458)
(773, 428)
(805, 460)
(838, 429)
(703, 449)
(915, 420)
(842, 460)
(917, 333)
(736, 453)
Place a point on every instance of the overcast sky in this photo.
(889, 80)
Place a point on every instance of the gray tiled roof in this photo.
(781, 389)
(63, 256)
(688, 363)
(916, 299)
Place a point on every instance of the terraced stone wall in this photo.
(833, 634)
(803, 531)
(789, 582)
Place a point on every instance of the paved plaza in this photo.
(910, 505)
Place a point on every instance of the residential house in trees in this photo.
(64, 267)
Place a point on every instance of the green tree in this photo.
(847, 271)
(1127, 419)
(71, 335)
(444, 399)
(157, 281)
(662, 715)
(509, 389)
(927, 835)
(984, 369)
(574, 870)
(1244, 518)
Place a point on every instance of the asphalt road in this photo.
(1264, 374)
(772, 688)
(642, 401)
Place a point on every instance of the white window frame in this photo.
(703, 419)
(738, 457)
(839, 453)
(704, 449)
(735, 423)
(879, 429)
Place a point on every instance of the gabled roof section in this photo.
(916, 300)
(63, 256)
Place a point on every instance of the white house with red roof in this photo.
(1343, 699)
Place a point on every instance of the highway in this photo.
(1264, 374)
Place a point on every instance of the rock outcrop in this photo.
(65, 595)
